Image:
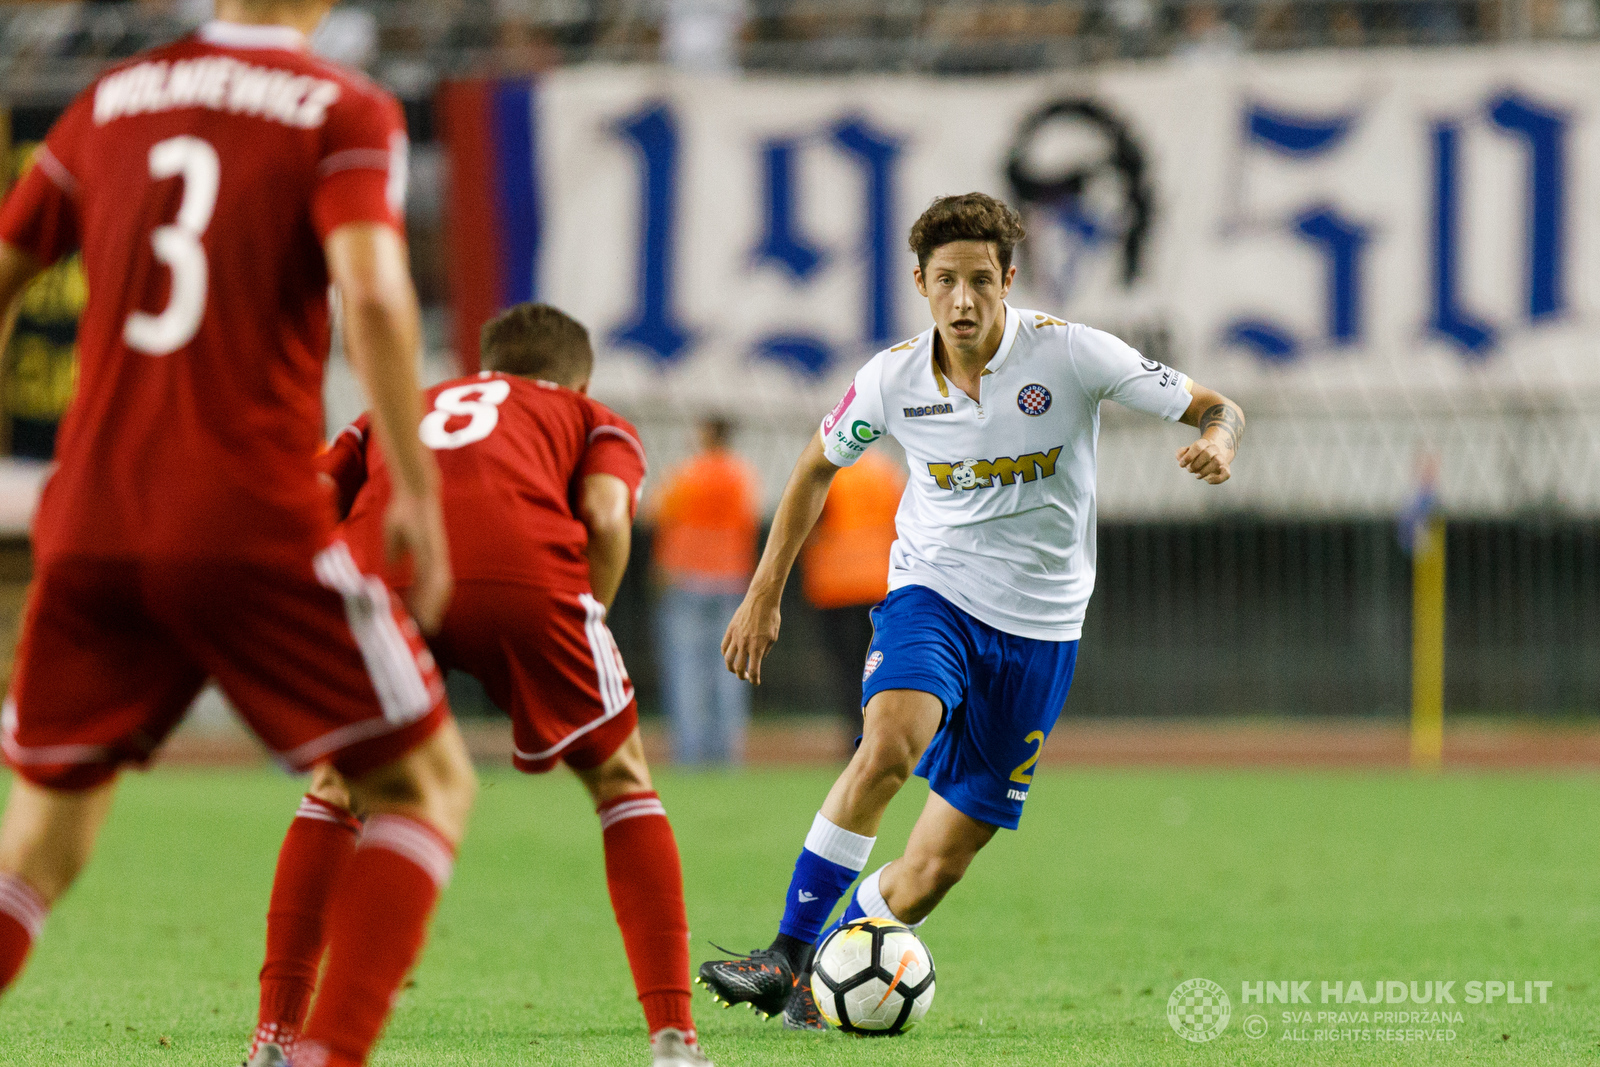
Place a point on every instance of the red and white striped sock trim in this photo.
(272, 1034)
(631, 806)
(316, 808)
(23, 903)
(414, 840)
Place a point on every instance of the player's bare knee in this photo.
(625, 771)
(329, 786)
(435, 781)
(453, 780)
(886, 756)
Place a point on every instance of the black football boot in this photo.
(763, 979)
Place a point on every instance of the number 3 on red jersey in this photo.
(484, 411)
(178, 246)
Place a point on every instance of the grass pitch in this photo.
(1062, 946)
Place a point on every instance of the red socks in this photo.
(377, 916)
(320, 841)
(377, 921)
(22, 913)
(646, 882)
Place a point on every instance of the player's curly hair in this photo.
(537, 341)
(967, 217)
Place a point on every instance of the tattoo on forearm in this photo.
(1229, 420)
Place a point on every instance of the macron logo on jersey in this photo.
(928, 409)
(219, 83)
(984, 473)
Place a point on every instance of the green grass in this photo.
(1060, 947)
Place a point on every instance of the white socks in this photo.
(870, 899)
(838, 845)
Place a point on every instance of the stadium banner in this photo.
(1394, 250)
(493, 214)
(38, 369)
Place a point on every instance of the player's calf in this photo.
(645, 878)
(316, 849)
(899, 725)
(942, 846)
(378, 913)
(45, 841)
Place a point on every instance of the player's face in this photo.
(966, 291)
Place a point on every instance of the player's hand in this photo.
(753, 631)
(1206, 460)
(414, 527)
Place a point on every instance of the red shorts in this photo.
(322, 663)
(547, 659)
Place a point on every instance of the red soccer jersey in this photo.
(200, 180)
(512, 455)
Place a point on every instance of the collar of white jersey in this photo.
(248, 35)
(1009, 337)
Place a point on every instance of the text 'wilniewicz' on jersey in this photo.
(219, 83)
(999, 513)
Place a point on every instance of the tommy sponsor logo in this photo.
(873, 662)
(928, 409)
(838, 412)
(1006, 470)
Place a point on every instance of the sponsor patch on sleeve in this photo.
(838, 412)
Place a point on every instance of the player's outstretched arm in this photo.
(605, 509)
(754, 629)
(383, 332)
(1221, 424)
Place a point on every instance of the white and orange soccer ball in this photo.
(873, 977)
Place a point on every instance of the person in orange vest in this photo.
(706, 525)
(845, 571)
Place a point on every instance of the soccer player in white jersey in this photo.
(973, 649)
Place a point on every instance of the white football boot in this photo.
(268, 1055)
(671, 1050)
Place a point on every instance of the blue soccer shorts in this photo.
(1001, 694)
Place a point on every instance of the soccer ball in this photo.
(873, 978)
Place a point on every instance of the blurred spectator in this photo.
(1345, 26)
(705, 551)
(1563, 18)
(702, 35)
(1206, 33)
(846, 571)
(523, 40)
(1275, 26)
(348, 35)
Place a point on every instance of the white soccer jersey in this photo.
(999, 514)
